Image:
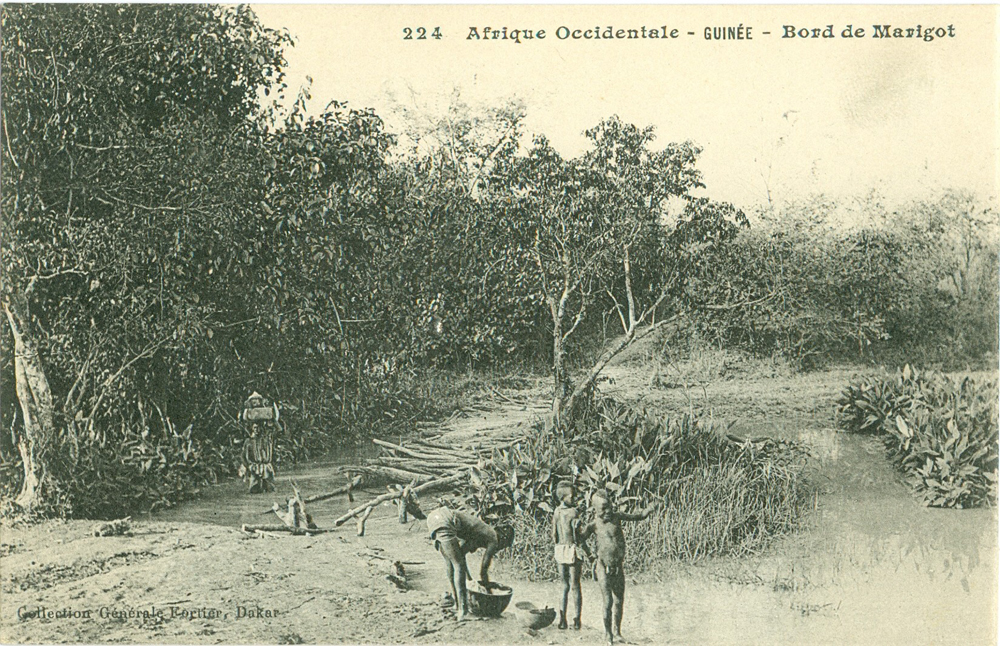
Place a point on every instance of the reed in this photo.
(722, 496)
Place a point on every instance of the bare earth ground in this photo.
(870, 565)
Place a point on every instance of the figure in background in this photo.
(260, 421)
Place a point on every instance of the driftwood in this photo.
(408, 464)
(441, 482)
(390, 473)
(347, 488)
(414, 464)
(295, 531)
(401, 502)
(421, 466)
(426, 486)
(444, 450)
(405, 451)
(371, 504)
(295, 515)
(364, 519)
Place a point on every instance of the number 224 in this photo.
(420, 33)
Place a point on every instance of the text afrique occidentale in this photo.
(570, 33)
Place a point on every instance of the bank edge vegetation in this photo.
(938, 430)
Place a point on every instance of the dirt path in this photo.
(869, 566)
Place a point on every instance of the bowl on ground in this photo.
(537, 618)
(492, 603)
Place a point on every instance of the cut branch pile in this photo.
(422, 465)
(423, 461)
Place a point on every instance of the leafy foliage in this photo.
(597, 236)
(941, 432)
(129, 139)
(812, 290)
(723, 496)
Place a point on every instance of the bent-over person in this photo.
(455, 534)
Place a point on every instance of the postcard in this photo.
(470, 324)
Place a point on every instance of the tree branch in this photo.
(732, 306)
(146, 352)
(6, 137)
(618, 308)
(579, 316)
(503, 137)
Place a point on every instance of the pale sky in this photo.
(839, 116)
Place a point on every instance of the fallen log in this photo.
(297, 531)
(409, 464)
(433, 484)
(391, 473)
(347, 488)
(442, 448)
(410, 452)
(371, 504)
(488, 446)
(420, 465)
(426, 486)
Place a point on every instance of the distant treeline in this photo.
(172, 241)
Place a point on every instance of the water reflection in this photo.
(871, 565)
(231, 505)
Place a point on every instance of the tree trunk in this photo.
(566, 404)
(562, 383)
(35, 398)
(560, 387)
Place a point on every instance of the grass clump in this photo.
(939, 431)
(722, 495)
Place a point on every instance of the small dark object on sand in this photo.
(490, 604)
(118, 527)
(536, 619)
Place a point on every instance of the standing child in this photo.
(565, 529)
(607, 530)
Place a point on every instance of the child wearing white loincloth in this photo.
(569, 551)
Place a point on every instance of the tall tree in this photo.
(618, 228)
(129, 134)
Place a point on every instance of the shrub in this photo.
(939, 431)
(723, 495)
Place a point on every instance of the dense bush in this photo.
(940, 431)
(175, 250)
(723, 496)
(819, 281)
